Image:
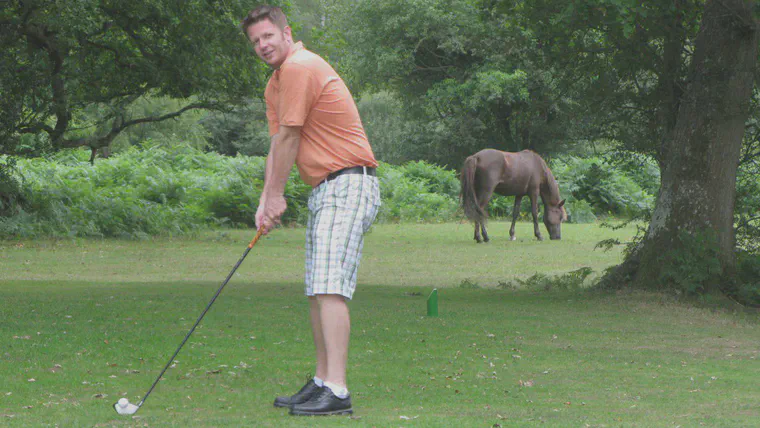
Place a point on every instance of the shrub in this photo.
(163, 189)
(143, 191)
(412, 192)
(10, 187)
(573, 280)
(501, 206)
(640, 168)
(437, 179)
(695, 265)
(746, 288)
(469, 284)
(606, 189)
(579, 212)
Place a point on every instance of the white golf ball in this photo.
(123, 402)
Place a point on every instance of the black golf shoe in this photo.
(323, 403)
(303, 395)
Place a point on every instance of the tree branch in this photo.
(745, 222)
(35, 129)
(118, 125)
(207, 106)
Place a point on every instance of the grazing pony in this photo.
(511, 174)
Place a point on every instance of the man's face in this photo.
(271, 44)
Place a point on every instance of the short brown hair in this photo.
(274, 14)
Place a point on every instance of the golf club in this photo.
(123, 406)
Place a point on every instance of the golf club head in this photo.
(128, 409)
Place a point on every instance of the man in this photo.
(314, 123)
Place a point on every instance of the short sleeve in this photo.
(296, 96)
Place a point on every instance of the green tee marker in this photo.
(432, 303)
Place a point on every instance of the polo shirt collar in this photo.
(298, 46)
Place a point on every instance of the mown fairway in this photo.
(395, 255)
(85, 322)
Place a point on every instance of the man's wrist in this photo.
(271, 192)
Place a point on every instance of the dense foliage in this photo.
(747, 210)
(461, 74)
(72, 70)
(155, 189)
(605, 189)
(141, 192)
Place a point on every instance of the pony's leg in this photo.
(477, 232)
(534, 211)
(515, 213)
(485, 234)
(483, 199)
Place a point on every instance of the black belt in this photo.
(352, 170)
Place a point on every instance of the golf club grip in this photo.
(256, 238)
(213, 299)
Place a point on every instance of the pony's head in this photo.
(554, 215)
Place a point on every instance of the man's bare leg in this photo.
(335, 331)
(319, 339)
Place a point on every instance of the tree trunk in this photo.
(670, 81)
(690, 241)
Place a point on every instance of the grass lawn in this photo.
(86, 322)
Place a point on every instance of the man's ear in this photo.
(288, 32)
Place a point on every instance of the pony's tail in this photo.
(472, 209)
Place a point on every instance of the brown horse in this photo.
(511, 174)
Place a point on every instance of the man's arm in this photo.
(282, 156)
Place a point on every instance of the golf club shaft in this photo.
(219, 291)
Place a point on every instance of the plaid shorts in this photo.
(340, 212)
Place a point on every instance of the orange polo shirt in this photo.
(305, 91)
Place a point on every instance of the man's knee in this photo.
(326, 298)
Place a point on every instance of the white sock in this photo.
(339, 391)
(320, 383)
